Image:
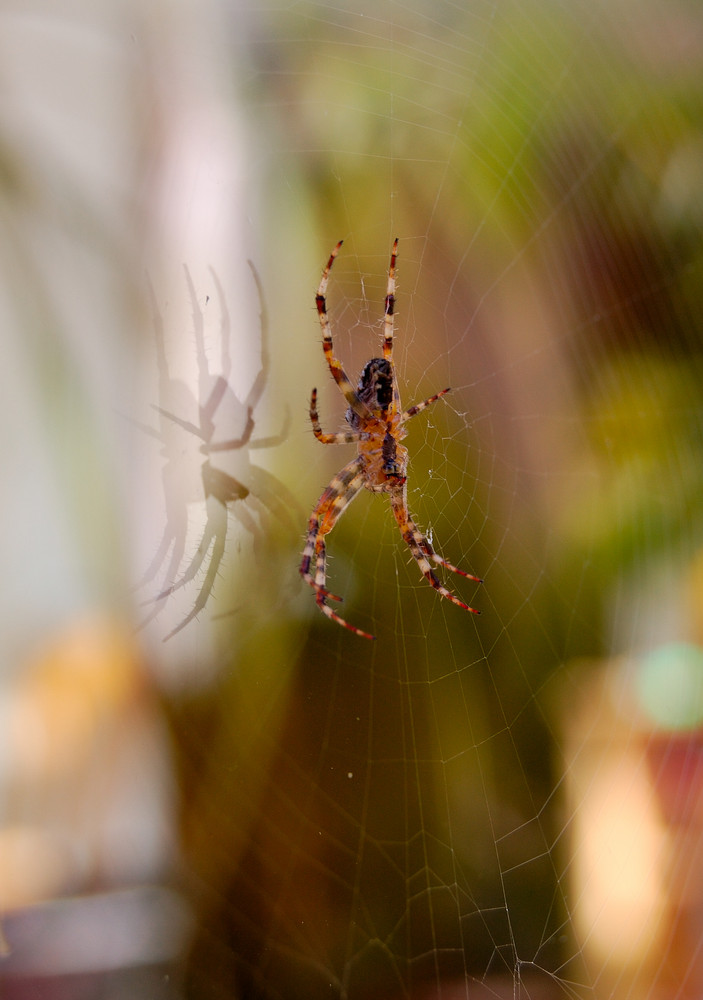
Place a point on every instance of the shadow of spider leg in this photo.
(275, 498)
(266, 495)
(174, 395)
(220, 490)
(173, 538)
(264, 486)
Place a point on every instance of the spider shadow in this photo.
(252, 494)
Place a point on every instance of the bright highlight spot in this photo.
(670, 686)
(618, 861)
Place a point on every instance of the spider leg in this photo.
(344, 437)
(257, 389)
(330, 507)
(274, 439)
(225, 326)
(208, 401)
(172, 533)
(390, 306)
(187, 425)
(275, 496)
(209, 408)
(215, 534)
(194, 565)
(422, 552)
(323, 596)
(335, 498)
(419, 407)
(222, 489)
(172, 536)
(233, 443)
(208, 583)
(334, 365)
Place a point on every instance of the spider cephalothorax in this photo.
(377, 427)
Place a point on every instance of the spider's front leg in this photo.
(343, 437)
(419, 407)
(333, 363)
(389, 309)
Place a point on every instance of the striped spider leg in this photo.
(377, 426)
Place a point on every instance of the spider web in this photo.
(502, 806)
(498, 806)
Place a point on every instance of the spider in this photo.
(377, 425)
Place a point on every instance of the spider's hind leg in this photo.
(319, 584)
(331, 505)
(332, 614)
(422, 552)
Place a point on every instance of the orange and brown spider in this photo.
(377, 426)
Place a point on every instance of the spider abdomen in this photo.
(376, 385)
